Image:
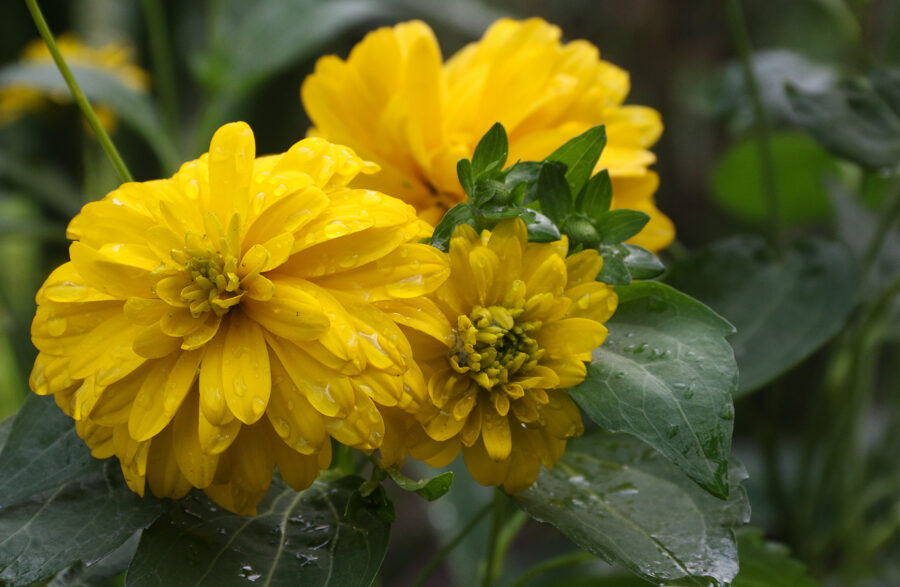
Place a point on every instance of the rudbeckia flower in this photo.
(498, 344)
(115, 59)
(396, 103)
(219, 323)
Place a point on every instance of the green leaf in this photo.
(768, 564)
(491, 151)
(666, 374)
(489, 192)
(463, 213)
(580, 156)
(800, 163)
(540, 228)
(620, 500)
(62, 505)
(642, 264)
(5, 426)
(431, 489)
(102, 572)
(614, 270)
(295, 539)
(886, 81)
(783, 309)
(553, 193)
(619, 225)
(596, 196)
(464, 173)
(133, 108)
(851, 120)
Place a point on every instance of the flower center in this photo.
(492, 346)
(215, 284)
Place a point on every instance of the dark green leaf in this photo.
(800, 164)
(614, 271)
(523, 172)
(768, 564)
(617, 498)
(851, 120)
(431, 489)
(540, 228)
(619, 225)
(63, 506)
(490, 192)
(580, 156)
(464, 172)
(463, 213)
(5, 426)
(666, 374)
(295, 539)
(642, 264)
(553, 193)
(135, 109)
(596, 196)
(102, 572)
(491, 151)
(784, 309)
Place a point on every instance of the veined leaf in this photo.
(580, 155)
(666, 375)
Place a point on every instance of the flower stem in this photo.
(79, 96)
(439, 557)
(560, 562)
(741, 39)
(888, 218)
(163, 64)
(490, 556)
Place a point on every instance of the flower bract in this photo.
(396, 103)
(219, 323)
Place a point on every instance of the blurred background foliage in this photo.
(245, 60)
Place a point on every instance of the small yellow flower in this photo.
(219, 323)
(396, 103)
(499, 343)
(115, 59)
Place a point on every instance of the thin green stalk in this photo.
(163, 63)
(440, 555)
(508, 533)
(890, 215)
(741, 39)
(79, 96)
(490, 556)
(560, 562)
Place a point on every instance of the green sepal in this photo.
(464, 213)
(465, 175)
(491, 152)
(596, 196)
(619, 225)
(580, 156)
(553, 192)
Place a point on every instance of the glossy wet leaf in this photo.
(642, 264)
(783, 309)
(297, 538)
(666, 375)
(133, 108)
(431, 488)
(5, 425)
(800, 166)
(768, 564)
(619, 499)
(63, 506)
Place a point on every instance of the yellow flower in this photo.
(396, 103)
(498, 343)
(115, 59)
(219, 323)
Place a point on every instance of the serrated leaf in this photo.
(768, 564)
(666, 375)
(553, 193)
(463, 213)
(642, 264)
(784, 309)
(491, 151)
(580, 156)
(297, 538)
(134, 109)
(64, 506)
(619, 225)
(596, 196)
(431, 489)
(620, 500)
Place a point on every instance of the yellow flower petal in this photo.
(197, 465)
(245, 369)
(572, 336)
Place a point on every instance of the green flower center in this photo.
(492, 345)
(215, 284)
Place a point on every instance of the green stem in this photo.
(79, 96)
(493, 539)
(741, 39)
(560, 562)
(887, 220)
(440, 555)
(163, 63)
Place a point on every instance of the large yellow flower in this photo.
(115, 59)
(396, 103)
(213, 325)
(499, 343)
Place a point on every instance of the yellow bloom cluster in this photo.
(219, 323)
(115, 59)
(396, 103)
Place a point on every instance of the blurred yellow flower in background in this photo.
(116, 59)
(396, 103)
(219, 323)
(499, 343)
